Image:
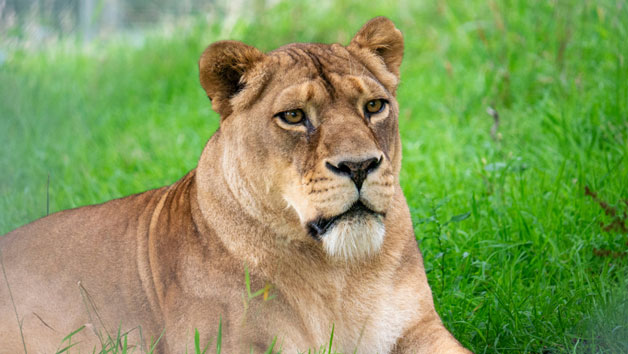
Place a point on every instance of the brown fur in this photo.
(173, 258)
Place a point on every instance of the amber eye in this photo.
(294, 116)
(374, 106)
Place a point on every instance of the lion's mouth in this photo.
(320, 226)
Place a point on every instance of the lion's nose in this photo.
(357, 171)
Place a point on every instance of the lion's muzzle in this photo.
(320, 226)
(356, 233)
(358, 171)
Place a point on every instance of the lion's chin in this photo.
(354, 237)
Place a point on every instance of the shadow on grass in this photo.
(606, 330)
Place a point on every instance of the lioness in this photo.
(297, 194)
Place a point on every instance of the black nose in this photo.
(358, 171)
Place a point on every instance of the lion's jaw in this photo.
(354, 236)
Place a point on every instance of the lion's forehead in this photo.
(299, 74)
(319, 73)
(315, 92)
(331, 65)
(319, 59)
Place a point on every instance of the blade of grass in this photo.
(219, 339)
(17, 317)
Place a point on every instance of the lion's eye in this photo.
(374, 106)
(295, 116)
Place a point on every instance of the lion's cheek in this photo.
(377, 194)
(298, 202)
(333, 199)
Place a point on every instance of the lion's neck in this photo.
(223, 214)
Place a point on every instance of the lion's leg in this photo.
(428, 336)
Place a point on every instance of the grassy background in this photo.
(537, 266)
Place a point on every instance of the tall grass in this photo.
(514, 117)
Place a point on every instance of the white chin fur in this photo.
(354, 238)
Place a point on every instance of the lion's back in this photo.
(85, 233)
(71, 259)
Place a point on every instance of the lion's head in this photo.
(310, 134)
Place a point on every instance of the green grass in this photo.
(537, 266)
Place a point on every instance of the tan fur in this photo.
(173, 259)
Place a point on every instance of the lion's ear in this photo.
(382, 38)
(221, 68)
